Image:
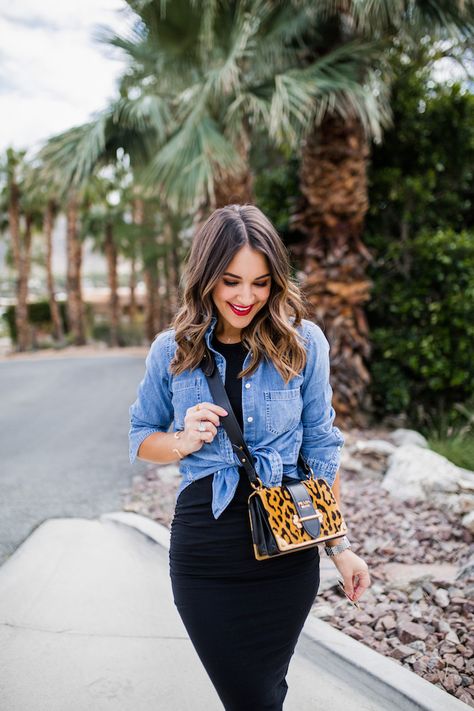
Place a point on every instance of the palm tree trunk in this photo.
(26, 333)
(138, 209)
(21, 260)
(25, 270)
(163, 310)
(152, 315)
(74, 263)
(132, 285)
(170, 275)
(48, 221)
(332, 257)
(175, 262)
(150, 273)
(236, 187)
(111, 256)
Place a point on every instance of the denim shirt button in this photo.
(249, 419)
(247, 385)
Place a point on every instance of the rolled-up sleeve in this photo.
(152, 411)
(322, 440)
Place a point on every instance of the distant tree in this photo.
(24, 213)
(46, 194)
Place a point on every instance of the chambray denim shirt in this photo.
(278, 418)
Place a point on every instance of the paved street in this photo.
(63, 439)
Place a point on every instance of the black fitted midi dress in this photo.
(243, 615)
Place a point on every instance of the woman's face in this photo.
(246, 283)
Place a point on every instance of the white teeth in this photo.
(237, 308)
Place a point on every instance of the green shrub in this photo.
(422, 325)
(39, 314)
(129, 334)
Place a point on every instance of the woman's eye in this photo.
(233, 283)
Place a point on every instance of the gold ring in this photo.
(198, 406)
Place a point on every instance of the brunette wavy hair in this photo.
(270, 334)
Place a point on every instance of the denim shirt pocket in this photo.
(187, 392)
(282, 410)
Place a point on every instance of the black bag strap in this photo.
(230, 422)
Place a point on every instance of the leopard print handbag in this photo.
(294, 516)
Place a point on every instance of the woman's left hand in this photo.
(354, 571)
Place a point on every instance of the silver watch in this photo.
(334, 550)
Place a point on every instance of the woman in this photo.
(243, 615)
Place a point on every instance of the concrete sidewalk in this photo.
(88, 623)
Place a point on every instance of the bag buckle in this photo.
(297, 519)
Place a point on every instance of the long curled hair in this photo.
(270, 334)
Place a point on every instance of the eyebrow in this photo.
(237, 276)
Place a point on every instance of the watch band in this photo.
(334, 550)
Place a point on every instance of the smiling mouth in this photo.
(240, 311)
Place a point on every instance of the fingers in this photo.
(207, 411)
(209, 433)
(212, 407)
(206, 435)
(356, 578)
(361, 583)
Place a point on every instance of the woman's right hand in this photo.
(191, 438)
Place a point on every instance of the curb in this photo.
(63, 354)
(154, 530)
(383, 675)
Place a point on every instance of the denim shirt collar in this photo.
(210, 330)
(207, 364)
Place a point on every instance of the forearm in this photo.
(158, 448)
(336, 490)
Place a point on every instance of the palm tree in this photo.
(50, 212)
(333, 181)
(157, 241)
(77, 155)
(74, 247)
(99, 215)
(46, 194)
(206, 75)
(21, 216)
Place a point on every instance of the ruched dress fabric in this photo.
(243, 615)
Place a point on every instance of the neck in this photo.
(227, 337)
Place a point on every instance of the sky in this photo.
(53, 75)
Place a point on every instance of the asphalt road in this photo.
(63, 440)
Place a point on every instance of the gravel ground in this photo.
(419, 609)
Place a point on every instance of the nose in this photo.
(246, 298)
